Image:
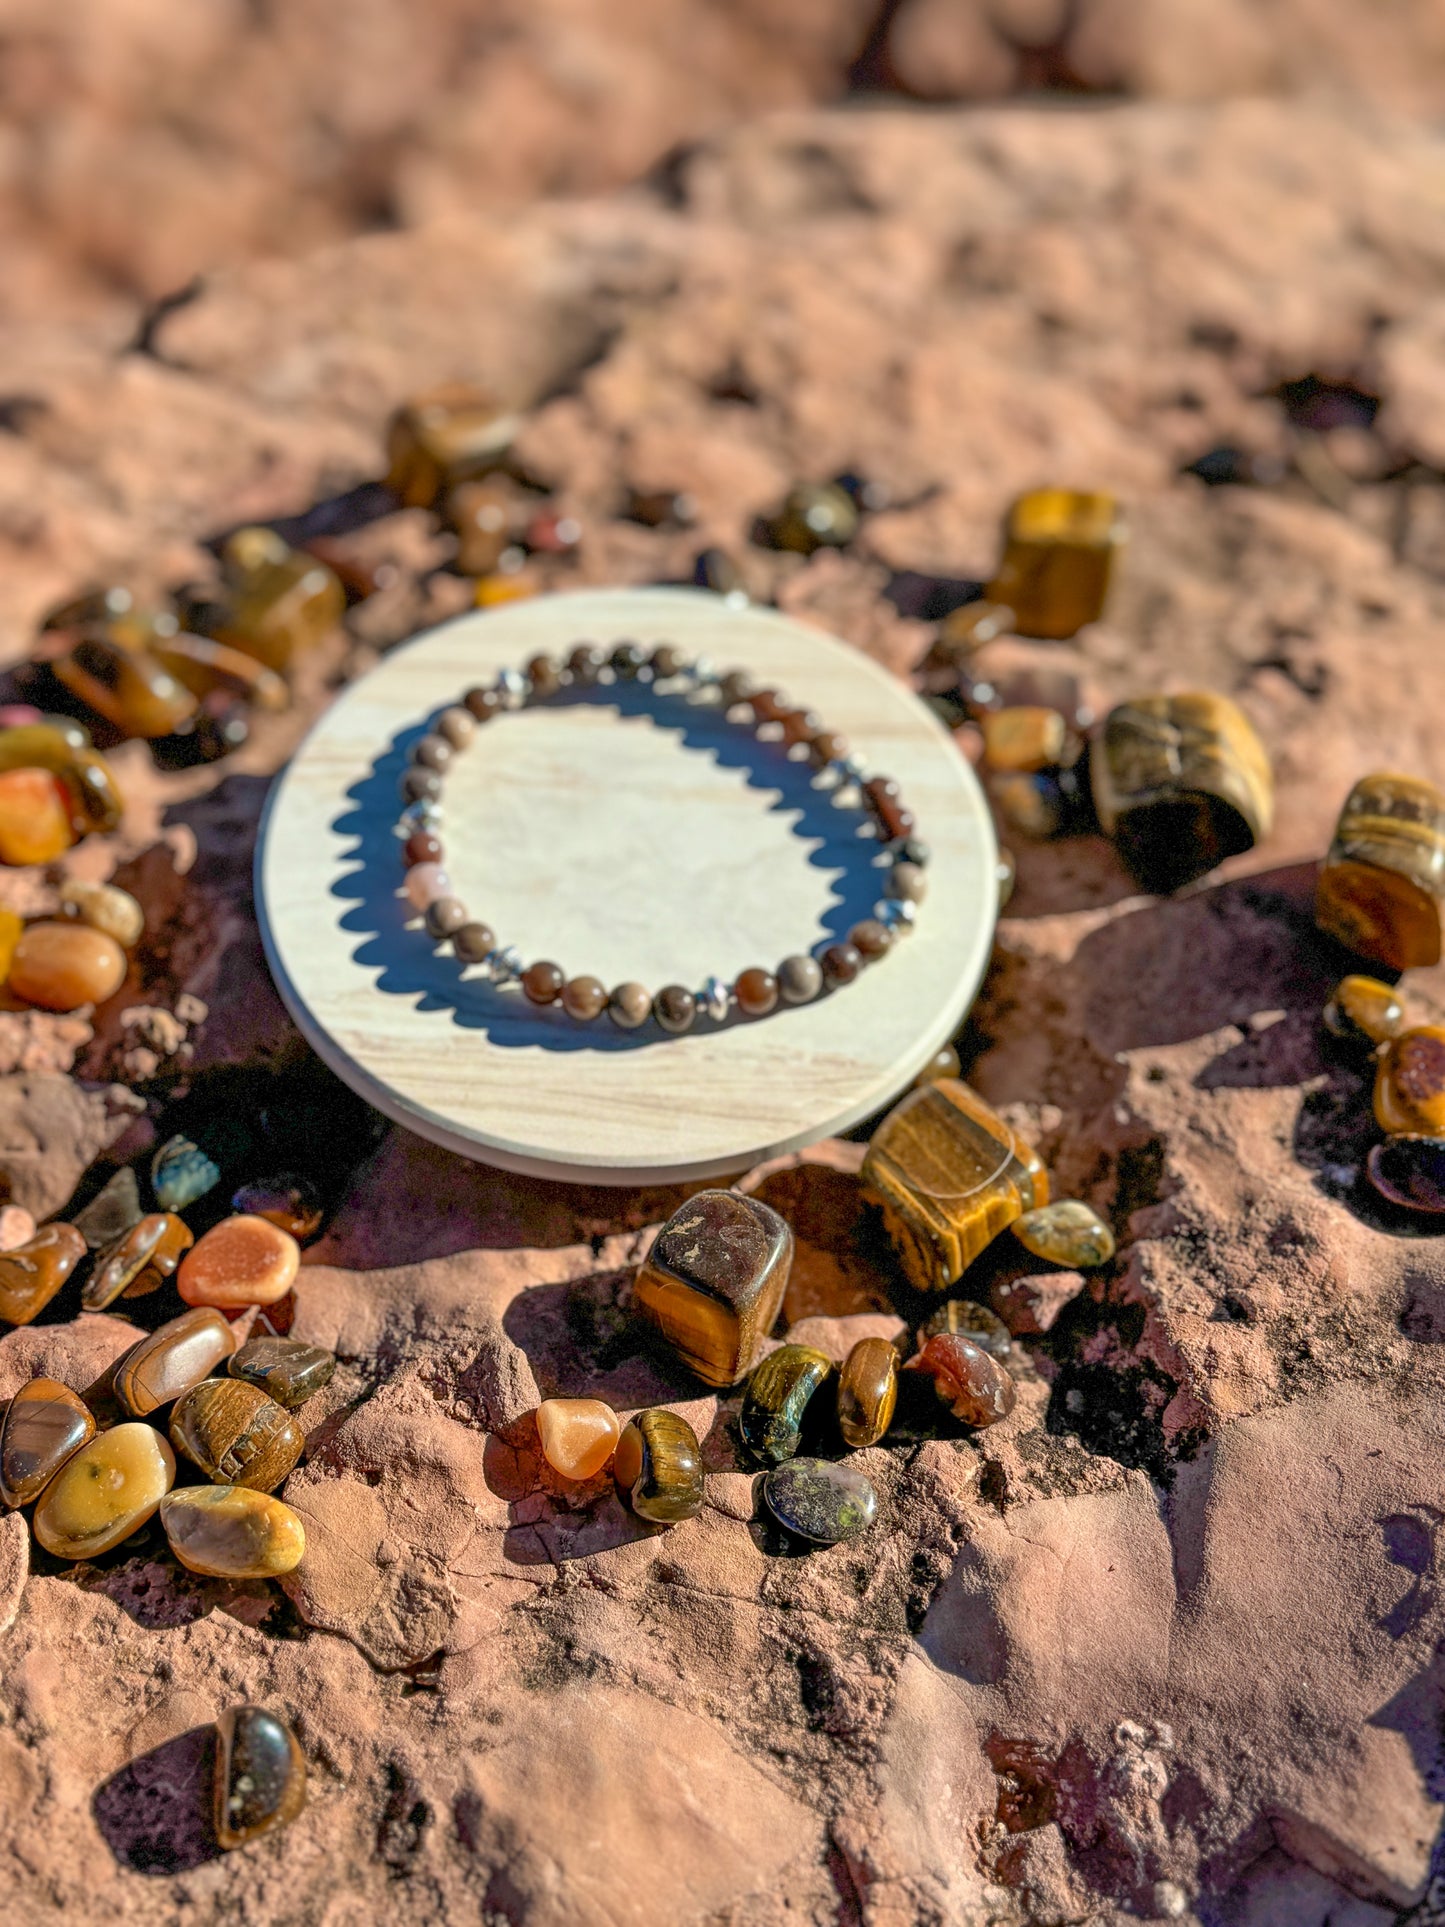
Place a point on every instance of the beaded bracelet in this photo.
(756, 992)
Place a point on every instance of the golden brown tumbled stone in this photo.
(105, 907)
(714, 1281)
(95, 800)
(1067, 1232)
(260, 1775)
(202, 664)
(105, 1492)
(175, 1357)
(37, 822)
(868, 1391)
(658, 1467)
(139, 1260)
(1059, 550)
(447, 435)
(126, 685)
(1026, 737)
(1409, 1084)
(779, 1391)
(973, 1386)
(240, 1261)
(45, 1424)
(286, 1369)
(61, 966)
(1383, 881)
(236, 1434)
(579, 1435)
(1364, 1011)
(948, 1175)
(280, 603)
(31, 1275)
(232, 1532)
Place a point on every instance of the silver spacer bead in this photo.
(896, 914)
(715, 1000)
(514, 688)
(425, 815)
(701, 674)
(503, 966)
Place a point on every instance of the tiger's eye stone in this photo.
(1364, 1011)
(973, 1386)
(778, 1394)
(815, 516)
(1023, 738)
(948, 1175)
(584, 998)
(658, 1467)
(56, 744)
(1410, 1084)
(104, 1492)
(260, 1775)
(207, 667)
(579, 1435)
(943, 1063)
(757, 992)
(871, 939)
(674, 1009)
(629, 1006)
(112, 1211)
(1383, 881)
(235, 1433)
(35, 817)
(799, 979)
(61, 966)
(125, 685)
(1059, 550)
(232, 1532)
(1180, 783)
(452, 433)
(1067, 1233)
(286, 1369)
(966, 629)
(31, 1275)
(542, 983)
(1409, 1171)
(287, 1199)
(181, 1172)
(868, 1391)
(45, 1425)
(281, 601)
(144, 1257)
(175, 1356)
(841, 964)
(819, 1501)
(240, 1261)
(713, 1281)
(973, 1321)
(104, 907)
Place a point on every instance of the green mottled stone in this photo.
(962, 1315)
(777, 1395)
(820, 1501)
(1067, 1233)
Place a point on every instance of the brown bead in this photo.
(667, 661)
(545, 676)
(799, 979)
(175, 1357)
(871, 939)
(432, 752)
(973, 1386)
(260, 1775)
(626, 659)
(542, 983)
(474, 942)
(882, 795)
(31, 1275)
(482, 704)
(584, 998)
(1409, 1084)
(287, 1199)
(735, 687)
(943, 1063)
(584, 665)
(104, 1492)
(457, 725)
(236, 1434)
(45, 1425)
(767, 706)
(629, 1006)
(444, 917)
(140, 1260)
(841, 964)
(422, 847)
(674, 1008)
(286, 1369)
(713, 1282)
(799, 727)
(908, 882)
(420, 785)
(757, 992)
(61, 966)
(1383, 883)
(827, 746)
(868, 1391)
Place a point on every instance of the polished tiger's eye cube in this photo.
(1180, 783)
(1383, 881)
(948, 1175)
(447, 435)
(714, 1280)
(1410, 1083)
(280, 602)
(1059, 551)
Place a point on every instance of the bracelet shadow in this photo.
(393, 943)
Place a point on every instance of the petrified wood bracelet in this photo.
(756, 992)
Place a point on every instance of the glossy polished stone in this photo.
(260, 1775)
(104, 907)
(579, 1435)
(1024, 737)
(450, 434)
(815, 515)
(800, 979)
(61, 966)
(819, 1501)
(286, 1369)
(1067, 1233)
(31, 1274)
(1364, 1012)
(1410, 1171)
(105, 1492)
(35, 817)
(182, 1173)
(175, 1356)
(868, 1391)
(658, 1467)
(542, 983)
(139, 1261)
(948, 1175)
(62, 748)
(629, 1006)
(127, 686)
(1058, 557)
(756, 992)
(778, 1394)
(584, 998)
(241, 1261)
(713, 1282)
(46, 1424)
(112, 1211)
(973, 1386)
(970, 1320)
(232, 1532)
(287, 1200)
(1410, 1083)
(235, 1433)
(673, 1009)
(1383, 882)
(280, 602)
(206, 667)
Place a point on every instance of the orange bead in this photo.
(240, 1261)
(34, 816)
(61, 966)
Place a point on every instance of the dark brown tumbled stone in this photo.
(542, 983)
(841, 963)
(139, 1261)
(973, 1386)
(46, 1423)
(260, 1775)
(757, 992)
(286, 1369)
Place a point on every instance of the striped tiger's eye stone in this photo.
(139, 1261)
(973, 1386)
(286, 1369)
(1409, 1171)
(31, 1275)
(1409, 1084)
(658, 1467)
(241, 1261)
(948, 1175)
(287, 1200)
(778, 1394)
(450, 434)
(232, 1532)
(868, 1391)
(125, 685)
(176, 1356)
(973, 1321)
(579, 1435)
(1067, 1233)
(819, 1501)
(1363, 1011)
(45, 1425)
(1058, 556)
(1180, 783)
(236, 1434)
(1023, 738)
(714, 1280)
(105, 1492)
(1383, 881)
(260, 1775)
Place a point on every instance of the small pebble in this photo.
(286, 1369)
(579, 1435)
(112, 1211)
(820, 1501)
(232, 1532)
(31, 1274)
(236, 1434)
(181, 1173)
(61, 966)
(241, 1261)
(1067, 1233)
(139, 1260)
(260, 1775)
(868, 1391)
(105, 1492)
(1410, 1083)
(777, 1396)
(986, 1329)
(104, 907)
(658, 1467)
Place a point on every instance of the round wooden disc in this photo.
(626, 835)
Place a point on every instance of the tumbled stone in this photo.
(286, 1369)
(658, 1467)
(236, 1434)
(815, 515)
(105, 1492)
(209, 668)
(974, 1321)
(1410, 1084)
(1059, 550)
(139, 1261)
(45, 1425)
(112, 1211)
(61, 966)
(241, 1261)
(579, 1435)
(31, 1275)
(175, 1356)
(819, 1501)
(182, 1173)
(126, 685)
(287, 1199)
(260, 1775)
(778, 1394)
(1410, 1171)
(62, 747)
(17, 1227)
(1383, 882)
(714, 1280)
(973, 1386)
(280, 602)
(104, 907)
(1024, 737)
(232, 1532)
(868, 1391)
(35, 817)
(449, 434)
(1067, 1233)
(1363, 1011)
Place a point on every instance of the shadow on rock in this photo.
(155, 1813)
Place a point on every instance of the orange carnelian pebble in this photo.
(61, 966)
(493, 590)
(240, 1261)
(12, 928)
(579, 1435)
(34, 816)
